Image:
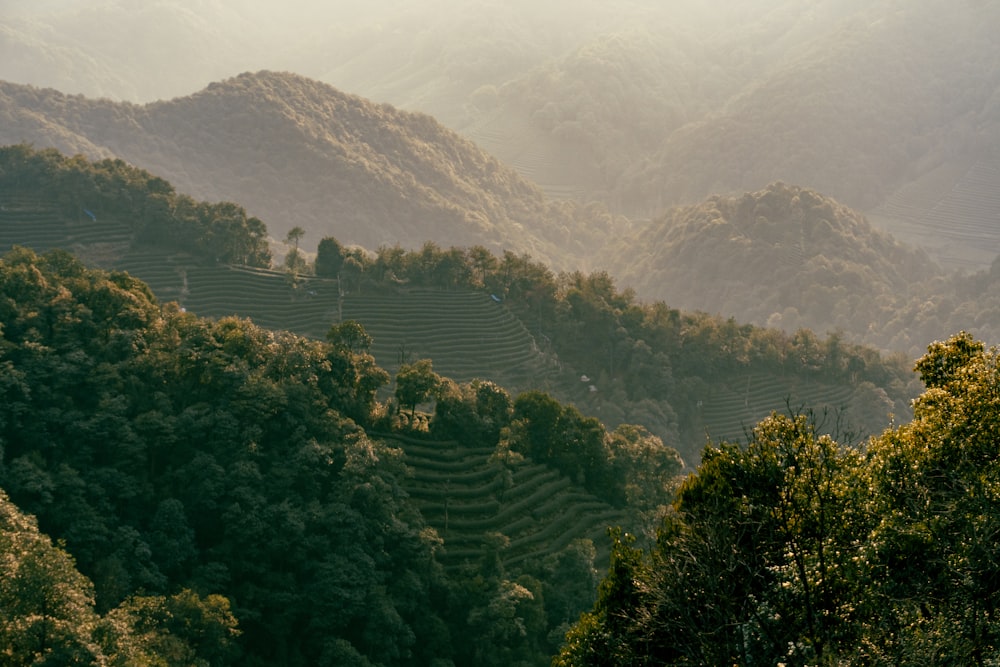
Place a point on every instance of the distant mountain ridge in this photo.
(789, 257)
(300, 153)
(639, 104)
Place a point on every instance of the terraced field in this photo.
(464, 497)
(31, 223)
(95, 238)
(954, 214)
(731, 409)
(466, 333)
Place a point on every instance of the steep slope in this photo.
(300, 153)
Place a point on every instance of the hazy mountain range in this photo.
(890, 107)
(661, 112)
(299, 153)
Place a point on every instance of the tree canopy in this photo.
(796, 549)
(153, 211)
(210, 476)
(173, 452)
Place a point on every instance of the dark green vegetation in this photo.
(796, 549)
(680, 374)
(143, 210)
(49, 615)
(344, 519)
(299, 153)
(174, 453)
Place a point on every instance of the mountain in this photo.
(788, 257)
(856, 100)
(298, 153)
(875, 98)
(889, 107)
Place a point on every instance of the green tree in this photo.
(416, 383)
(349, 336)
(48, 615)
(294, 261)
(752, 565)
(933, 554)
(644, 470)
(329, 258)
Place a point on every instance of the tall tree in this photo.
(293, 260)
(415, 383)
(329, 257)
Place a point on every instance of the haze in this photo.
(887, 106)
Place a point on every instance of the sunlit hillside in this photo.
(303, 154)
(789, 257)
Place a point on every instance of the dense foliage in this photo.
(651, 362)
(48, 615)
(207, 473)
(170, 451)
(795, 549)
(154, 213)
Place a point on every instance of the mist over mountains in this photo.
(889, 107)
(887, 110)
(297, 152)
(593, 244)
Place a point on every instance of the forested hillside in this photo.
(533, 317)
(509, 318)
(299, 153)
(193, 467)
(280, 486)
(789, 257)
(795, 549)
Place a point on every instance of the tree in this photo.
(350, 273)
(176, 631)
(415, 383)
(349, 336)
(47, 606)
(753, 564)
(643, 468)
(329, 258)
(49, 617)
(933, 554)
(294, 262)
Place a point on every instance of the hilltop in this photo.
(299, 153)
(786, 256)
(888, 107)
(783, 256)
